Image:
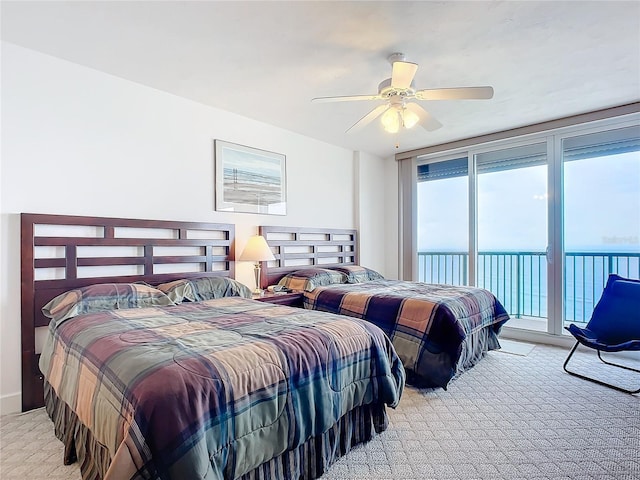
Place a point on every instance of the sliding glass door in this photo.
(504, 210)
(443, 222)
(512, 233)
(541, 223)
(601, 220)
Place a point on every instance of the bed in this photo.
(439, 331)
(187, 378)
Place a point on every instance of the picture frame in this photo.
(249, 180)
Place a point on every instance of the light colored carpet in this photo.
(510, 417)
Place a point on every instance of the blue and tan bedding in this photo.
(217, 389)
(439, 331)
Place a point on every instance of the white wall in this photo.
(370, 209)
(377, 210)
(391, 227)
(80, 142)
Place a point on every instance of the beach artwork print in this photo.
(249, 180)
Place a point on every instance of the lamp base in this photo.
(256, 271)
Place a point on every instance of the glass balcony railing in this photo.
(519, 279)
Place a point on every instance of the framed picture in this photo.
(249, 180)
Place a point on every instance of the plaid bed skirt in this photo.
(309, 461)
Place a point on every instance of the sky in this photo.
(601, 211)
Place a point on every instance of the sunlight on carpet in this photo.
(516, 348)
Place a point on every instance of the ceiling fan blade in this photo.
(460, 93)
(402, 74)
(368, 118)
(427, 121)
(348, 98)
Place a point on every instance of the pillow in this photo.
(204, 288)
(102, 297)
(358, 274)
(310, 278)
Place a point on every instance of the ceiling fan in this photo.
(397, 91)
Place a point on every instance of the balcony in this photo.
(519, 279)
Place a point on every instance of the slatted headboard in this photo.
(295, 248)
(60, 253)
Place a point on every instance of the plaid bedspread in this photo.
(213, 389)
(427, 323)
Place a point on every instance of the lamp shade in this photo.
(256, 250)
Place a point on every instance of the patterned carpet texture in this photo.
(510, 417)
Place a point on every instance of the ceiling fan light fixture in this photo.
(391, 120)
(409, 118)
(399, 93)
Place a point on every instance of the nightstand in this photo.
(291, 299)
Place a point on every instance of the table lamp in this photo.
(256, 250)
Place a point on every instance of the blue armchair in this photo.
(614, 325)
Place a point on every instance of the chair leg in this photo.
(595, 380)
(626, 367)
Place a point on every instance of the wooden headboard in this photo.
(60, 253)
(296, 248)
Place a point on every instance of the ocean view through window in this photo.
(597, 193)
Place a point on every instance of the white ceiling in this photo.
(267, 60)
